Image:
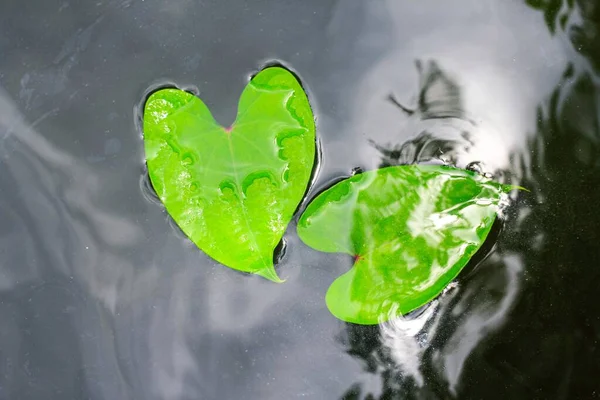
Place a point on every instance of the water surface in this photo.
(102, 298)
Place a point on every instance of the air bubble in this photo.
(281, 155)
(227, 186)
(286, 175)
(187, 159)
(287, 135)
(249, 180)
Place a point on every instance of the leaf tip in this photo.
(270, 274)
(509, 188)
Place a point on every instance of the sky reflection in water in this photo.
(101, 299)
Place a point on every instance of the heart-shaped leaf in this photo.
(411, 229)
(233, 190)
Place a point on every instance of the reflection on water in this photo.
(523, 317)
(100, 298)
(446, 132)
(403, 351)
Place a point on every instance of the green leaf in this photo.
(411, 229)
(233, 190)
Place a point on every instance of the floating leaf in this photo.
(411, 229)
(233, 190)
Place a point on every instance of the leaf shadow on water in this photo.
(534, 296)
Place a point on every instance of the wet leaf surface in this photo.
(411, 229)
(233, 190)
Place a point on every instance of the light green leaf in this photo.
(411, 229)
(233, 190)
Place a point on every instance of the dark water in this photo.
(102, 298)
